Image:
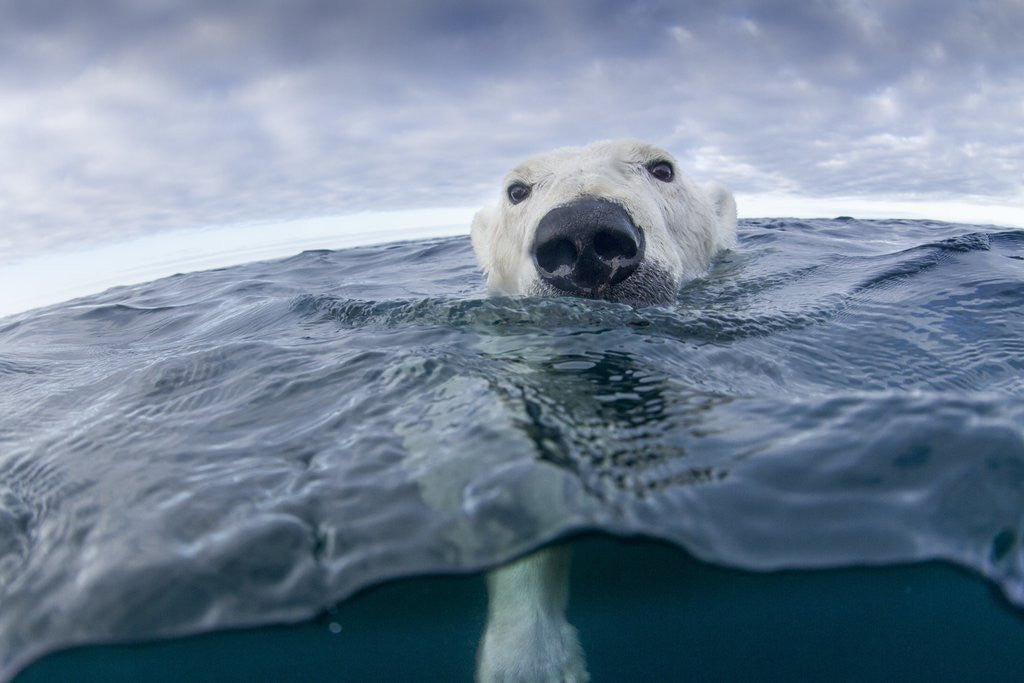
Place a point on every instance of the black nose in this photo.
(587, 246)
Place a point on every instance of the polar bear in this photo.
(616, 220)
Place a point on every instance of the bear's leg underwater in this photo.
(527, 637)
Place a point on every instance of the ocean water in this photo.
(253, 445)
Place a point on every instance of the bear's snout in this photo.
(587, 246)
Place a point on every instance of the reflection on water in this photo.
(610, 422)
(253, 444)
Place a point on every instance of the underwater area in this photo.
(811, 464)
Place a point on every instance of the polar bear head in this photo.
(616, 220)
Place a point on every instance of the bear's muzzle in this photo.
(587, 246)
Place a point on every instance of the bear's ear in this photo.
(480, 235)
(724, 206)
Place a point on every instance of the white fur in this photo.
(684, 224)
(527, 637)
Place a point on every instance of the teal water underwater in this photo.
(251, 445)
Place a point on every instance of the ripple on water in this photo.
(252, 444)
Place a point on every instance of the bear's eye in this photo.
(662, 170)
(517, 192)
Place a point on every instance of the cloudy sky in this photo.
(121, 118)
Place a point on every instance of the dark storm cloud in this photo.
(122, 117)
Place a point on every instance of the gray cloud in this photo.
(118, 118)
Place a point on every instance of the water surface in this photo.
(251, 445)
